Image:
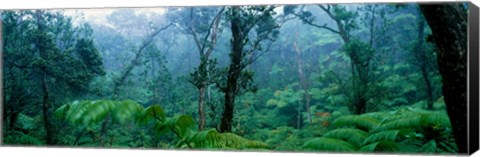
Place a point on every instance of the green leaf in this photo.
(362, 122)
(353, 136)
(382, 136)
(151, 113)
(328, 144)
(382, 146)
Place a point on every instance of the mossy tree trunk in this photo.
(449, 29)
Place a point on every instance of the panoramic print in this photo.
(355, 78)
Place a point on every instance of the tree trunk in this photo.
(104, 130)
(428, 89)
(423, 63)
(303, 83)
(45, 107)
(299, 118)
(201, 106)
(449, 29)
(44, 84)
(13, 119)
(234, 72)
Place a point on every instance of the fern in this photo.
(430, 146)
(401, 130)
(362, 122)
(383, 146)
(207, 139)
(328, 144)
(17, 138)
(181, 125)
(126, 111)
(152, 113)
(211, 139)
(416, 120)
(390, 135)
(93, 112)
(354, 136)
(234, 141)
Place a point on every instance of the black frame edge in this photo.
(473, 70)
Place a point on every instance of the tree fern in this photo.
(353, 136)
(416, 120)
(126, 110)
(152, 113)
(389, 135)
(234, 141)
(207, 139)
(362, 122)
(328, 144)
(93, 112)
(430, 146)
(211, 139)
(181, 125)
(383, 146)
(17, 138)
(401, 130)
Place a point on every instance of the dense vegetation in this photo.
(339, 78)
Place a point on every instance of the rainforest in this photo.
(356, 78)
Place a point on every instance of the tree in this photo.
(136, 59)
(242, 21)
(361, 54)
(449, 31)
(204, 25)
(59, 54)
(303, 82)
(424, 61)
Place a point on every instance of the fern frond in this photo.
(211, 139)
(126, 110)
(362, 122)
(180, 124)
(377, 115)
(207, 139)
(382, 136)
(234, 141)
(416, 120)
(93, 112)
(328, 144)
(61, 111)
(435, 119)
(382, 146)
(400, 123)
(152, 113)
(353, 136)
(88, 112)
(19, 138)
(430, 146)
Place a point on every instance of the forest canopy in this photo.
(341, 78)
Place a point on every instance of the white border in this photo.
(31, 4)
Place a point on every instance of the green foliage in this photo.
(284, 98)
(390, 135)
(380, 44)
(94, 112)
(382, 146)
(90, 56)
(362, 122)
(416, 119)
(151, 113)
(353, 136)
(328, 144)
(406, 130)
(17, 137)
(212, 139)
